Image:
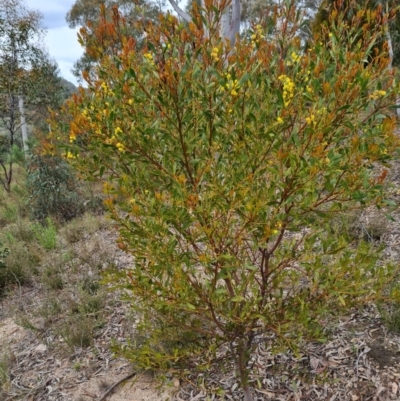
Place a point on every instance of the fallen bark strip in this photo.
(114, 386)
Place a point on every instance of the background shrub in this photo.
(52, 188)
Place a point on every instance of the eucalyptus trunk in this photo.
(229, 24)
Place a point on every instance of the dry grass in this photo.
(30, 243)
(77, 229)
(7, 358)
(59, 264)
(13, 205)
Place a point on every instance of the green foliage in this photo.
(170, 342)
(4, 145)
(87, 14)
(3, 254)
(52, 189)
(20, 231)
(9, 213)
(382, 12)
(224, 168)
(13, 204)
(28, 78)
(46, 234)
(390, 314)
(17, 155)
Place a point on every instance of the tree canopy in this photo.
(29, 79)
(87, 14)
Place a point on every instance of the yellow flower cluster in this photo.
(121, 147)
(149, 58)
(377, 94)
(277, 227)
(257, 35)
(89, 113)
(111, 140)
(311, 120)
(115, 141)
(295, 58)
(232, 85)
(72, 137)
(214, 53)
(288, 89)
(70, 155)
(306, 78)
(106, 90)
(107, 187)
(279, 120)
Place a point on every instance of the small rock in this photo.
(40, 324)
(176, 383)
(41, 348)
(11, 357)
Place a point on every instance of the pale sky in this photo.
(60, 41)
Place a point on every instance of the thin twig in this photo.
(112, 388)
(366, 350)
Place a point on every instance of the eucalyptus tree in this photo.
(28, 78)
(228, 17)
(87, 14)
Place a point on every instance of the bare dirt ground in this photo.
(361, 360)
(43, 367)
